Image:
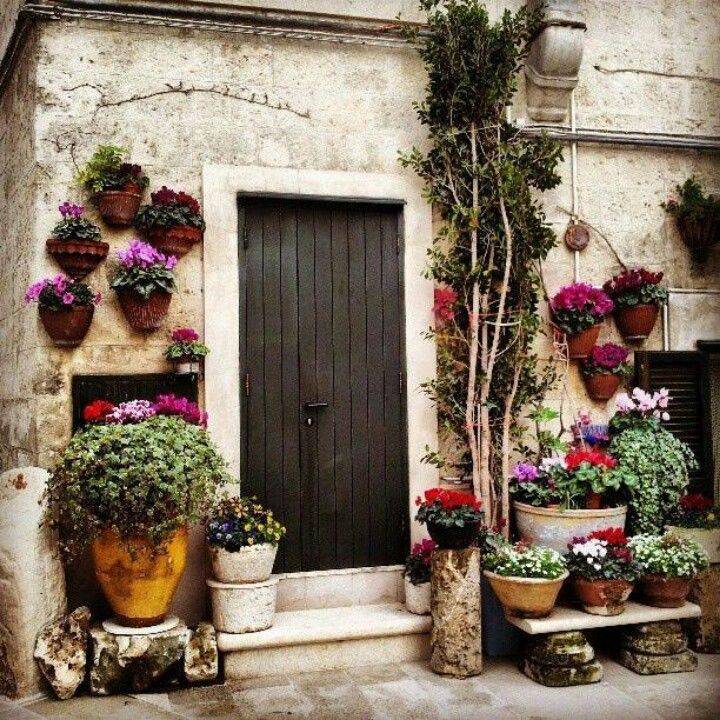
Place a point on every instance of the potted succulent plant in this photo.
(75, 243)
(602, 571)
(578, 311)
(697, 216)
(604, 369)
(525, 578)
(172, 222)
(116, 186)
(698, 517)
(417, 577)
(186, 352)
(453, 518)
(133, 508)
(66, 308)
(564, 498)
(637, 296)
(144, 284)
(668, 565)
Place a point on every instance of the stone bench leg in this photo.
(656, 648)
(561, 659)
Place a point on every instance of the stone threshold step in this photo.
(327, 625)
(567, 618)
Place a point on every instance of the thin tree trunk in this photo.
(507, 421)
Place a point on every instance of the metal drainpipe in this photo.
(573, 182)
(666, 308)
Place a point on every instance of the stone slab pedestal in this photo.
(656, 648)
(705, 631)
(561, 659)
(455, 605)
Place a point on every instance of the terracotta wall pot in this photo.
(601, 386)
(636, 323)
(77, 257)
(661, 591)
(118, 207)
(602, 597)
(580, 345)
(709, 540)
(144, 314)
(699, 235)
(139, 586)
(417, 598)
(247, 565)
(526, 597)
(67, 328)
(555, 528)
(454, 538)
(177, 240)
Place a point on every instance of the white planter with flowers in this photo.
(186, 352)
(417, 577)
(250, 564)
(417, 597)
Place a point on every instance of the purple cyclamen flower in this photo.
(133, 411)
(71, 210)
(33, 292)
(68, 298)
(525, 472)
(143, 255)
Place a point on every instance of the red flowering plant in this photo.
(448, 508)
(444, 307)
(579, 306)
(169, 209)
(417, 564)
(185, 346)
(695, 510)
(602, 555)
(636, 286)
(592, 471)
(609, 358)
(97, 411)
(137, 411)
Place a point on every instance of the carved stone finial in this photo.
(554, 61)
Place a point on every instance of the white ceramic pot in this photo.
(417, 597)
(555, 528)
(250, 564)
(709, 540)
(189, 367)
(241, 608)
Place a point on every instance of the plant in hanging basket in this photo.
(453, 518)
(172, 223)
(604, 369)
(75, 243)
(66, 308)
(578, 311)
(186, 352)
(637, 295)
(144, 284)
(697, 216)
(116, 186)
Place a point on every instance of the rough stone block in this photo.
(32, 582)
(705, 631)
(551, 676)
(564, 649)
(658, 664)
(61, 652)
(201, 655)
(662, 638)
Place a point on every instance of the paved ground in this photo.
(411, 692)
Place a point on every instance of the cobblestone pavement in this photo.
(410, 691)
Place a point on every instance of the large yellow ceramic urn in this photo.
(139, 585)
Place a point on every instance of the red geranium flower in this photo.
(451, 499)
(575, 459)
(97, 411)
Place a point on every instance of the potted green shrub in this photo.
(172, 222)
(453, 518)
(637, 296)
(186, 352)
(144, 283)
(668, 565)
(526, 578)
(697, 517)
(604, 369)
(66, 308)
(697, 216)
(116, 187)
(602, 571)
(417, 577)
(75, 243)
(127, 486)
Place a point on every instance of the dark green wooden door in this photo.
(324, 431)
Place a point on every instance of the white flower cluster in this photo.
(526, 561)
(592, 550)
(668, 555)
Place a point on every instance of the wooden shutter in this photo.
(685, 375)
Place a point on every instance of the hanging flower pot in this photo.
(144, 313)
(186, 352)
(176, 240)
(118, 207)
(604, 369)
(452, 517)
(66, 308)
(700, 235)
(636, 323)
(601, 386)
(637, 295)
(580, 344)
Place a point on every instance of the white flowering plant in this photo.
(522, 560)
(668, 555)
(602, 555)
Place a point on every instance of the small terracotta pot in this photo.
(177, 240)
(581, 344)
(636, 323)
(602, 597)
(601, 386)
(526, 597)
(118, 207)
(77, 257)
(454, 538)
(661, 591)
(593, 500)
(67, 328)
(144, 314)
(699, 235)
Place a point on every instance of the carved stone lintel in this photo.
(455, 592)
(553, 64)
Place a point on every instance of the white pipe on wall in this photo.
(574, 183)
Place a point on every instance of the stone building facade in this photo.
(208, 95)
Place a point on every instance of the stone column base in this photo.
(705, 631)
(561, 659)
(656, 648)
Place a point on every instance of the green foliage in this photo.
(106, 170)
(693, 204)
(144, 280)
(521, 560)
(186, 350)
(160, 216)
(668, 555)
(145, 479)
(76, 228)
(236, 522)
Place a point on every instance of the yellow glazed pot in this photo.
(139, 586)
(526, 597)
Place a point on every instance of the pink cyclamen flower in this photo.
(133, 411)
(171, 262)
(582, 297)
(143, 255)
(32, 294)
(184, 335)
(624, 403)
(71, 210)
(68, 298)
(525, 472)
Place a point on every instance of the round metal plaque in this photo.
(577, 236)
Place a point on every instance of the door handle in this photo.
(315, 406)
